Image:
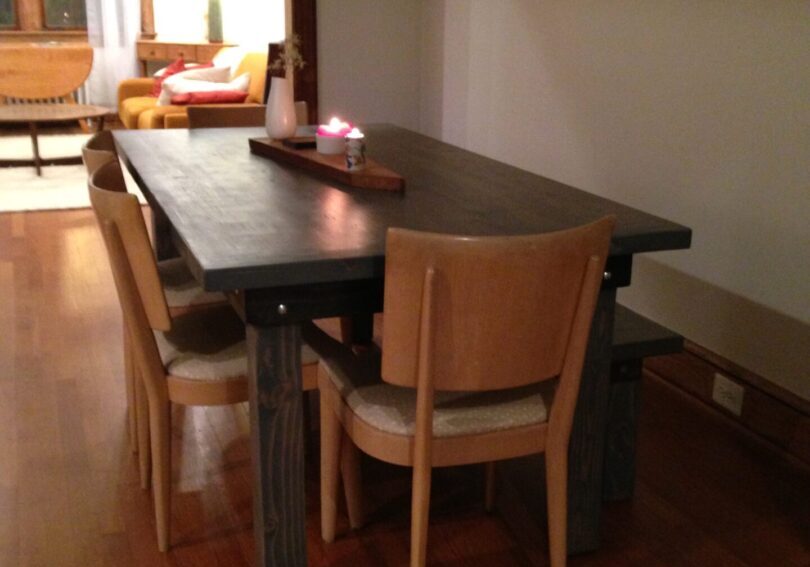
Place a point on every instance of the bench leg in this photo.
(620, 436)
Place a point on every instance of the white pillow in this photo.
(204, 74)
(229, 57)
(189, 66)
(183, 86)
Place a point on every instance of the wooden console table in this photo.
(159, 50)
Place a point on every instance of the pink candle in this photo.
(335, 129)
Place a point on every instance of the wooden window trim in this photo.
(30, 25)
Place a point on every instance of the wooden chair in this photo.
(222, 116)
(37, 72)
(198, 358)
(483, 347)
(182, 292)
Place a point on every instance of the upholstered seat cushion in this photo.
(393, 408)
(132, 108)
(180, 287)
(209, 345)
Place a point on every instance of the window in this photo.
(64, 14)
(37, 16)
(8, 18)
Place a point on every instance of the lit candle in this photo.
(355, 150)
(329, 138)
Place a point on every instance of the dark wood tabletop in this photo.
(297, 248)
(251, 222)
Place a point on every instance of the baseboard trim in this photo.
(775, 415)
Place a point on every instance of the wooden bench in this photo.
(634, 338)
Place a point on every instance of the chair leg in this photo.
(142, 422)
(489, 486)
(350, 470)
(129, 377)
(160, 431)
(420, 510)
(330, 456)
(557, 498)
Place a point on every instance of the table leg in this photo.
(587, 445)
(35, 146)
(277, 445)
(521, 497)
(162, 234)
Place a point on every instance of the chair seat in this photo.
(392, 409)
(209, 345)
(181, 288)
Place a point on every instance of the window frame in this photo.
(29, 16)
(56, 29)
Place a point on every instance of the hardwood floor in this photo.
(707, 494)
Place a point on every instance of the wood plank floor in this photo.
(69, 496)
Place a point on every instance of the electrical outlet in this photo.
(728, 394)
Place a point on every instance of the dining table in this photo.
(289, 246)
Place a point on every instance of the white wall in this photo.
(695, 111)
(368, 60)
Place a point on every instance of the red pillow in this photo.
(175, 67)
(209, 97)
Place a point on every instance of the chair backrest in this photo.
(216, 116)
(98, 150)
(221, 116)
(255, 63)
(43, 70)
(121, 213)
(491, 312)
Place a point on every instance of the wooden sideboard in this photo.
(159, 50)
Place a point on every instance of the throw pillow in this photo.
(160, 72)
(176, 66)
(210, 97)
(217, 75)
(184, 86)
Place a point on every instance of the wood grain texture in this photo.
(293, 228)
(330, 167)
(277, 446)
(70, 494)
(38, 71)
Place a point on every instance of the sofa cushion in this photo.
(210, 97)
(208, 74)
(132, 108)
(154, 117)
(176, 66)
(256, 64)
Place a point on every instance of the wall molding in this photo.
(770, 413)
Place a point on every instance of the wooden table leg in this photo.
(35, 145)
(162, 234)
(587, 445)
(520, 485)
(277, 445)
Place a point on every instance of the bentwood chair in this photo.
(483, 348)
(197, 358)
(181, 289)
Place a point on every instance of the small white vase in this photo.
(280, 118)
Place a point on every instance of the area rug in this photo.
(59, 187)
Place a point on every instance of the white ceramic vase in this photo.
(280, 118)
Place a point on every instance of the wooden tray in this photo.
(373, 176)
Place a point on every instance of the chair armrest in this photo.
(129, 88)
(179, 120)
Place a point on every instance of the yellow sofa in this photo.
(138, 110)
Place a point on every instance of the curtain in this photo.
(112, 27)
